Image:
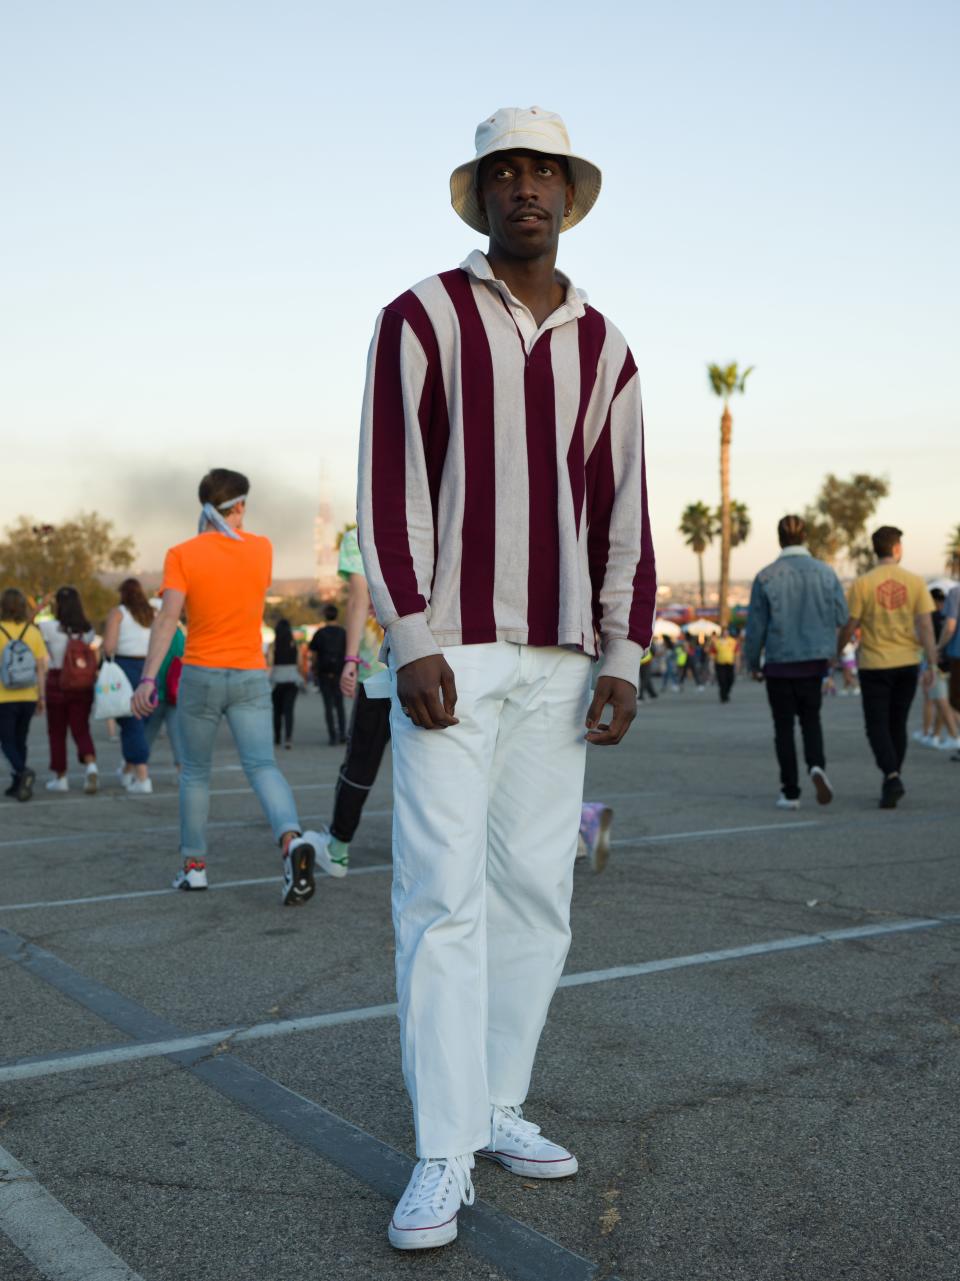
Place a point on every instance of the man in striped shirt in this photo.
(505, 536)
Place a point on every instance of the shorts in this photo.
(938, 689)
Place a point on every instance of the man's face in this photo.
(524, 195)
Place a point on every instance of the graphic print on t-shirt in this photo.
(892, 594)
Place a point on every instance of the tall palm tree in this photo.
(698, 528)
(724, 382)
(952, 550)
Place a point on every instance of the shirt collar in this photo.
(794, 551)
(572, 308)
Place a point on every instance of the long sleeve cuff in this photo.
(410, 638)
(621, 658)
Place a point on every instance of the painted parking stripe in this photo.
(52, 1065)
(118, 796)
(714, 831)
(520, 1252)
(58, 1245)
(135, 894)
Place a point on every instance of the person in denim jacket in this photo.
(797, 606)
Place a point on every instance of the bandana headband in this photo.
(210, 518)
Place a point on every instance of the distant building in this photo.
(325, 546)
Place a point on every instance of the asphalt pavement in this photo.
(755, 1053)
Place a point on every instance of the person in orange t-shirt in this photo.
(220, 578)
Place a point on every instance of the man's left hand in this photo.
(619, 694)
(928, 677)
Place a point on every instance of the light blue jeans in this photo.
(164, 714)
(206, 695)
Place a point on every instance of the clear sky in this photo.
(206, 203)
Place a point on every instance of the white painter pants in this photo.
(486, 816)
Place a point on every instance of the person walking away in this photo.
(504, 529)
(725, 663)
(797, 608)
(284, 682)
(949, 644)
(165, 715)
(126, 635)
(848, 670)
(71, 675)
(682, 656)
(328, 644)
(369, 720)
(221, 577)
(23, 669)
(893, 610)
(940, 722)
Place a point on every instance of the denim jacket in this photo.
(796, 606)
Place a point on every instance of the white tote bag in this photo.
(112, 692)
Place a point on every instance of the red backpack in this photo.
(79, 670)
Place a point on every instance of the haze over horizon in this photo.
(211, 205)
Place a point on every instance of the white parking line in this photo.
(59, 1246)
(285, 1027)
(170, 793)
(134, 894)
(714, 831)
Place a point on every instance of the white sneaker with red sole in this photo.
(520, 1148)
(192, 876)
(426, 1214)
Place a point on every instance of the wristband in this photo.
(148, 680)
(352, 658)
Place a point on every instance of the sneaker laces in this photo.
(511, 1123)
(436, 1174)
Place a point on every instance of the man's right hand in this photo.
(427, 690)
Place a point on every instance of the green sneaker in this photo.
(332, 855)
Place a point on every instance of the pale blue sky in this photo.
(205, 205)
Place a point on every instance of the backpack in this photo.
(329, 646)
(18, 666)
(79, 670)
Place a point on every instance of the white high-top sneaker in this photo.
(520, 1148)
(426, 1214)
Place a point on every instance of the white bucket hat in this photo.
(523, 129)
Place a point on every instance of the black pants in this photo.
(646, 683)
(284, 696)
(798, 699)
(725, 678)
(329, 687)
(886, 694)
(15, 721)
(369, 735)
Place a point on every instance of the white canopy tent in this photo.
(702, 627)
(665, 627)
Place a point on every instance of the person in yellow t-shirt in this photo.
(724, 663)
(19, 705)
(894, 611)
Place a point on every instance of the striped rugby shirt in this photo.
(502, 487)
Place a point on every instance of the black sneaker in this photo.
(298, 863)
(891, 792)
(25, 785)
(12, 790)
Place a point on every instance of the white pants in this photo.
(485, 825)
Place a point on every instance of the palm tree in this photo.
(739, 523)
(698, 528)
(952, 551)
(724, 382)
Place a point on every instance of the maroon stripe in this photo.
(600, 495)
(591, 332)
(543, 565)
(432, 411)
(478, 552)
(388, 472)
(640, 627)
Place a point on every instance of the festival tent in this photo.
(702, 627)
(664, 627)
